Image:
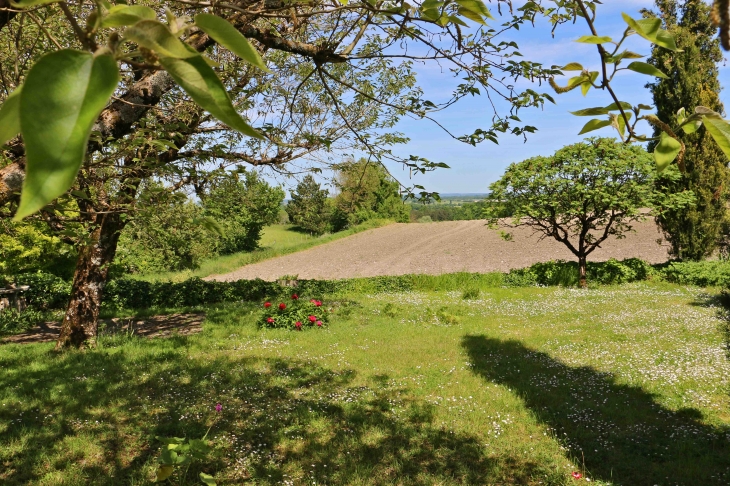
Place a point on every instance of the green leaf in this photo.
(466, 13)
(646, 28)
(201, 83)
(627, 55)
(200, 446)
(181, 460)
(585, 86)
(207, 479)
(10, 117)
(572, 66)
(666, 40)
(81, 195)
(471, 15)
(576, 80)
(594, 39)
(720, 131)
(622, 122)
(666, 151)
(691, 127)
(614, 107)
(63, 95)
(476, 6)
(157, 37)
(704, 111)
(594, 124)
(168, 456)
(645, 68)
(123, 15)
(681, 115)
(688, 126)
(170, 440)
(600, 111)
(650, 30)
(590, 112)
(226, 35)
(644, 107)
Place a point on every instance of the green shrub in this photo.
(366, 191)
(165, 234)
(560, 272)
(309, 207)
(618, 272)
(471, 293)
(30, 246)
(242, 203)
(136, 294)
(703, 274)
(50, 292)
(46, 291)
(522, 277)
(14, 322)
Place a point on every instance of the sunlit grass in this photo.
(513, 386)
(276, 240)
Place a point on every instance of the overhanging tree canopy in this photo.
(106, 96)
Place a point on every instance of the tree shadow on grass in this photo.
(626, 437)
(92, 418)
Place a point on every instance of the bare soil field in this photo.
(436, 248)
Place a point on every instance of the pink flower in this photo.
(270, 320)
(298, 325)
(577, 475)
(294, 296)
(318, 303)
(267, 304)
(319, 323)
(312, 318)
(218, 407)
(282, 306)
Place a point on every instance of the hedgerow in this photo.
(49, 292)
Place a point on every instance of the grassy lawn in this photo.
(627, 385)
(276, 240)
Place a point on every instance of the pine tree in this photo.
(308, 207)
(694, 232)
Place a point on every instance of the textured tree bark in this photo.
(11, 181)
(82, 314)
(582, 271)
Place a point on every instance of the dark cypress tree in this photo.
(693, 232)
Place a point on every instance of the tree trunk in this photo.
(582, 271)
(92, 267)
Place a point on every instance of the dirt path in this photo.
(435, 248)
(149, 327)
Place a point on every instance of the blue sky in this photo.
(474, 168)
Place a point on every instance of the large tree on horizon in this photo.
(580, 196)
(692, 80)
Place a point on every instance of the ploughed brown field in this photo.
(436, 248)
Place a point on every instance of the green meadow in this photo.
(622, 385)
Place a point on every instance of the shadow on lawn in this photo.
(626, 437)
(92, 418)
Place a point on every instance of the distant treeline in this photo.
(449, 211)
